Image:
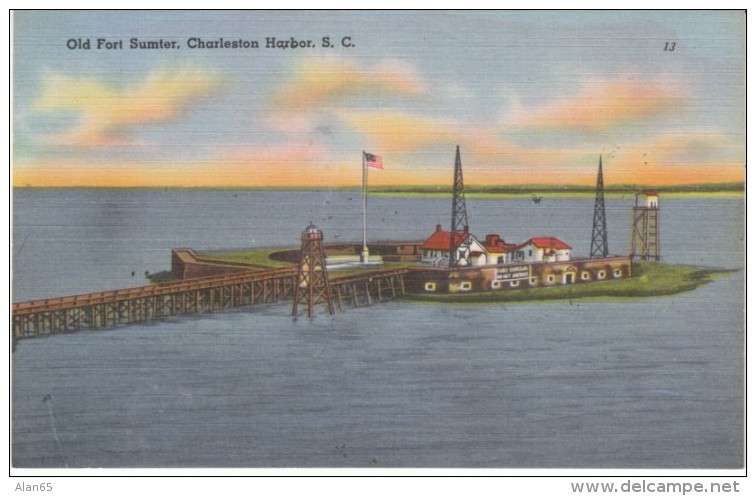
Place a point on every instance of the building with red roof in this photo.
(542, 249)
(650, 199)
(497, 250)
(496, 265)
(435, 249)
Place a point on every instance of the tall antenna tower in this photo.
(599, 245)
(644, 244)
(312, 278)
(459, 237)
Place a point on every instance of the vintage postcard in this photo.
(378, 240)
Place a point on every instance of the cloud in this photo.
(402, 133)
(308, 103)
(253, 156)
(601, 105)
(231, 167)
(295, 164)
(362, 106)
(697, 155)
(106, 114)
(696, 147)
(490, 157)
(673, 158)
(319, 83)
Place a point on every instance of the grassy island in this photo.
(649, 279)
(253, 256)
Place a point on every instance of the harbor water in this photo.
(645, 383)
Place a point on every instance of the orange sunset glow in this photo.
(266, 120)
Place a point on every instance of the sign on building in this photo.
(513, 273)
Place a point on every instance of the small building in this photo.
(644, 241)
(647, 198)
(542, 249)
(435, 249)
(497, 250)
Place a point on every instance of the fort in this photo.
(452, 265)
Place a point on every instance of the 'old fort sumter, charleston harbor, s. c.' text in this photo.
(198, 43)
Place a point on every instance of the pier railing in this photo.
(198, 295)
(365, 289)
(144, 303)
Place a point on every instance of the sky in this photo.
(531, 97)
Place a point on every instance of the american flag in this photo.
(373, 161)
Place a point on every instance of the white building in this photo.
(647, 198)
(436, 248)
(495, 251)
(542, 249)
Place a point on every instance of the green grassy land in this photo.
(256, 257)
(735, 190)
(549, 190)
(649, 279)
(552, 195)
(565, 189)
(260, 257)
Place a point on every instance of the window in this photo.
(430, 286)
(533, 281)
(585, 275)
(495, 284)
(601, 274)
(550, 278)
(465, 286)
(500, 260)
(530, 253)
(514, 284)
(618, 273)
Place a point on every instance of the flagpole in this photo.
(365, 254)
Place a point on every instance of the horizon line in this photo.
(728, 185)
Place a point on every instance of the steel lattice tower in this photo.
(312, 286)
(644, 243)
(459, 252)
(599, 245)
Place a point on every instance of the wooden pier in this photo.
(366, 289)
(192, 296)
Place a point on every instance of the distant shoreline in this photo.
(727, 190)
(573, 194)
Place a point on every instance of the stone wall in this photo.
(515, 276)
(186, 264)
